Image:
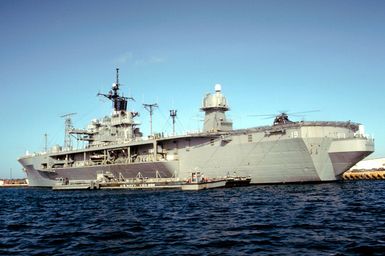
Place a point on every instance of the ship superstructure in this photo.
(284, 152)
(119, 127)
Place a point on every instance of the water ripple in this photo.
(344, 218)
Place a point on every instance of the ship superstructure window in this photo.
(250, 138)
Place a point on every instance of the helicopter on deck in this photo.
(283, 117)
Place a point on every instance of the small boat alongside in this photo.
(65, 184)
(237, 181)
(199, 182)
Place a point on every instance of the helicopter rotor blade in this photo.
(304, 112)
(267, 115)
(300, 114)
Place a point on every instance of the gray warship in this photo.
(306, 151)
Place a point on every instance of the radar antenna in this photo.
(68, 128)
(119, 103)
(150, 109)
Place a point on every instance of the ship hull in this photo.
(41, 178)
(293, 153)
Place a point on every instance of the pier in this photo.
(364, 175)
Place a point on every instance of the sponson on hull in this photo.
(284, 152)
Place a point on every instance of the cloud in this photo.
(129, 58)
(124, 58)
(149, 61)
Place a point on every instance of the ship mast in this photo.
(150, 109)
(173, 116)
(119, 103)
(68, 128)
(215, 106)
(45, 142)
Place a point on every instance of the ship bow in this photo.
(344, 154)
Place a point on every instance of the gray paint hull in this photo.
(297, 153)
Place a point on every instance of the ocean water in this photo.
(342, 218)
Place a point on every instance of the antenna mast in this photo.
(173, 116)
(46, 142)
(150, 108)
(119, 103)
(117, 77)
(68, 127)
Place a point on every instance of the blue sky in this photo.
(269, 56)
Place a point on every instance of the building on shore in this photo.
(13, 182)
(370, 164)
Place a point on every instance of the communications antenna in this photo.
(119, 103)
(173, 116)
(45, 142)
(150, 109)
(68, 127)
